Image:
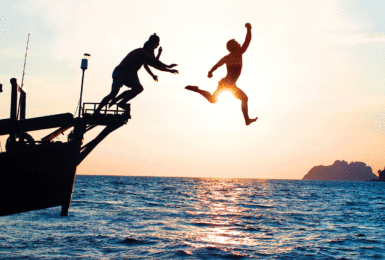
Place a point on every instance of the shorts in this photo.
(120, 78)
(226, 84)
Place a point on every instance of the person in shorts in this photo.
(233, 63)
(126, 73)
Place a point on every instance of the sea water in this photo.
(199, 218)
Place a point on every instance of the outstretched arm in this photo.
(150, 72)
(216, 66)
(150, 60)
(157, 57)
(248, 38)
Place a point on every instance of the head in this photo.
(233, 45)
(149, 46)
(154, 40)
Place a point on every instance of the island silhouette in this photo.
(381, 176)
(341, 171)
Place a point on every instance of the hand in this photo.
(210, 75)
(172, 66)
(248, 26)
(155, 78)
(160, 50)
(174, 71)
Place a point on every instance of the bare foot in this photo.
(251, 121)
(192, 88)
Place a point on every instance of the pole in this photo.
(83, 66)
(81, 94)
(12, 134)
(13, 99)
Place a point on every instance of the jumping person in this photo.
(233, 63)
(126, 73)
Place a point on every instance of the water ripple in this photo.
(203, 218)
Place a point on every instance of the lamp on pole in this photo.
(83, 66)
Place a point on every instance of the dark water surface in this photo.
(195, 218)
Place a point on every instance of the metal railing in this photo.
(89, 108)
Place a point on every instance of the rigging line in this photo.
(22, 78)
(25, 62)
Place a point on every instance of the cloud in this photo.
(356, 39)
(380, 36)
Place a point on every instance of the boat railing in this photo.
(89, 108)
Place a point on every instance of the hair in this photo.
(153, 38)
(231, 45)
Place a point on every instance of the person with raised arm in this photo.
(233, 63)
(126, 73)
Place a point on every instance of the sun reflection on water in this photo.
(218, 214)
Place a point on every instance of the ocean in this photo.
(204, 218)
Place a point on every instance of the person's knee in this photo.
(137, 89)
(242, 96)
(213, 98)
(245, 101)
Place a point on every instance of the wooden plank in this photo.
(37, 123)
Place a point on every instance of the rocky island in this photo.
(342, 171)
(381, 176)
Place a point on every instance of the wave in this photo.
(135, 242)
(190, 218)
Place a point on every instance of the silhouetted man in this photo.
(126, 73)
(233, 63)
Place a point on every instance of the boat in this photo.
(39, 174)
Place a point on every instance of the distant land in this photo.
(342, 171)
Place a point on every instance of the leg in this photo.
(106, 99)
(239, 94)
(129, 80)
(117, 83)
(116, 99)
(211, 98)
(136, 89)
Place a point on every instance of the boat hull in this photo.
(37, 177)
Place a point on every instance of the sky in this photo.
(313, 73)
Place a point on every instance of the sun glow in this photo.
(311, 74)
(228, 107)
(220, 211)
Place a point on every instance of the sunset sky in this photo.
(314, 74)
